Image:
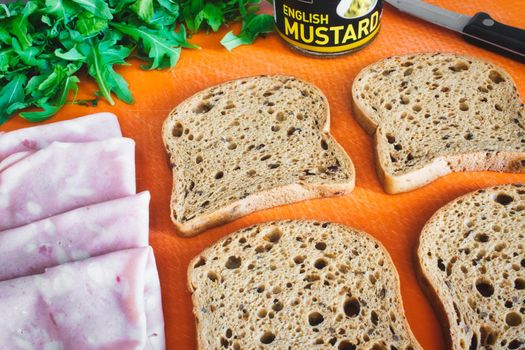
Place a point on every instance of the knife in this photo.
(481, 29)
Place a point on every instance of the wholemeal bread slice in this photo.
(251, 144)
(437, 113)
(472, 255)
(298, 285)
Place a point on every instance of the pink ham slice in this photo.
(78, 234)
(97, 303)
(13, 159)
(95, 127)
(65, 176)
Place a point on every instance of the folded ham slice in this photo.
(97, 303)
(93, 127)
(66, 176)
(78, 234)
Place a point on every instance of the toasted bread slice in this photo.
(298, 285)
(472, 255)
(251, 144)
(437, 113)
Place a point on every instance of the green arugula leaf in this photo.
(63, 10)
(98, 8)
(214, 15)
(144, 9)
(18, 26)
(256, 25)
(71, 55)
(100, 58)
(161, 45)
(70, 83)
(89, 24)
(10, 94)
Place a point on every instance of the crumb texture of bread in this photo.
(232, 148)
(298, 285)
(472, 252)
(439, 111)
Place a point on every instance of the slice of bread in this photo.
(251, 144)
(298, 285)
(437, 113)
(472, 255)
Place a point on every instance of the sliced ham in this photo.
(65, 176)
(108, 302)
(78, 234)
(13, 159)
(95, 127)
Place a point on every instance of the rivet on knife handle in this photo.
(484, 31)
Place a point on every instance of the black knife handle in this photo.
(495, 36)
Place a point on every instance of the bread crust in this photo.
(204, 253)
(440, 166)
(276, 196)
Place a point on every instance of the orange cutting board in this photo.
(396, 220)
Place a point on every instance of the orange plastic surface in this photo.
(396, 220)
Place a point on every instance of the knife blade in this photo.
(481, 29)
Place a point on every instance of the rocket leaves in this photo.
(45, 45)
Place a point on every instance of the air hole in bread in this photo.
(274, 236)
(320, 264)
(265, 157)
(219, 175)
(417, 108)
(481, 237)
(378, 347)
(262, 313)
(504, 199)
(200, 262)
(515, 344)
(232, 145)
(277, 306)
(519, 283)
(458, 67)
(468, 136)
(274, 165)
(178, 130)
(203, 107)
(473, 342)
(267, 337)
(224, 342)
(484, 287)
(463, 106)
(374, 317)
(496, 77)
(404, 100)
(346, 345)
(292, 130)
(299, 259)
(324, 144)
(388, 106)
(233, 262)
(513, 319)
(212, 276)
(351, 307)
(390, 138)
(275, 128)
(320, 246)
(498, 107)
(408, 72)
(315, 318)
(280, 116)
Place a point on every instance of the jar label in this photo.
(327, 26)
